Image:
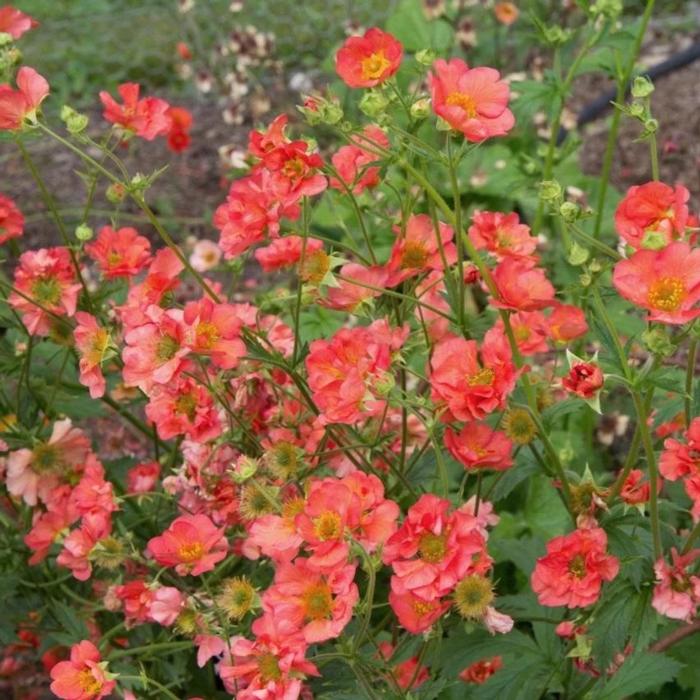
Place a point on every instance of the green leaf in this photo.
(409, 25)
(73, 628)
(640, 672)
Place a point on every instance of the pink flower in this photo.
(530, 329)
(285, 252)
(119, 253)
(92, 342)
(136, 598)
(47, 283)
(318, 604)
(358, 286)
(21, 105)
(418, 249)
(180, 125)
(478, 446)
(574, 568)
(469, 381)
(368, 60)
(502, 235)
(269, 668)
(79, 544)
(566, 323)
(166, 605)
(11, 219)
(416, 614)
(14, 22)
(205, 256)
(192, 544)
(47, 527)
(434, 549)
(677, 593)
(208, 646)
(84, 676)
(148, 117)
(184, 407)
(214, 330)
(471, 100)
(665, 282)
(653, 212)
(347, 372)
(353, 163)
(143, 477)
(34, 474)
(521, 286)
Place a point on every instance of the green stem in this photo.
(369, 601)
(150, 649)
(689, 378)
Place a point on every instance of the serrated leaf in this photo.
(640, 672)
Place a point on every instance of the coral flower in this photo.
(574, 568)
(21, 105)
(136, 598)
(419, 248)
(585, 379)
(368, 60)
(271, 667)
(84, 676)
(180, 125)
(214, 330)
(677, 593)
(530, 329)
(471, 100)
(119, 253)
(434, 549)
(416, 614)
(521, 286)
(472, 381)
(34, 474)
(285, 252)
(14, 22)
(356, 288)
(47, 277)
(92, 342)
(652, 215)
(665, 282)
(480, 671)
(318, 605)
(502, 235)
(349, 373)
(147, 117)
(11, 220)
(353, 163)
(192, 544)
(143, 477)
(409, 674)
(566, 323)
(478, 446)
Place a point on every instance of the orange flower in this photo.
(366, 61)
(506, 12)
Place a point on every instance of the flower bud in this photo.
(74, 121)
(654, 240)
(642, 87)
(420, 109)
(550, 190)
(608, 8)
(577, 254)
(116, 193)
(373, 104)
(425, 57)
(84, 232)
(658, 342)
(570, 212)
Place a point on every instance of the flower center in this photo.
(98, 345)
(464, 101)
(374, 65)
(294, 168)
(190, 552)
(186, 405)
(88, 683)
(432, 548)
(114, 258)
(414, 255)
(269, 667)
(47, 290)
(666, 293)
(207, 335)
(484, 377)
(423, 607)
(577, 566)
(45, 458)
(315, 267)
(166, 348)
(473, 595)
(328, 526)
(317, 601)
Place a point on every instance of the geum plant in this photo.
(345, 491)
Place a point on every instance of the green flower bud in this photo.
(651, 126)
(139, 183)
(642, 87)
(84, 232)
(658, 342)
(373, 104)
(116, 193)
(608, 8)
(425, 57)
(578, 254)
(637, 110)
(570, 212)
(556, 36)
(5, 39)
(420, 109)
(74, 121)
(550, 190)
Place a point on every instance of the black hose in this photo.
(600, 105)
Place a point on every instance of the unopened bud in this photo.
(550, 190)
(84, 232)
(420, 109)
(425, 57)
(116, 193)
(373, 104)
(642, 87)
